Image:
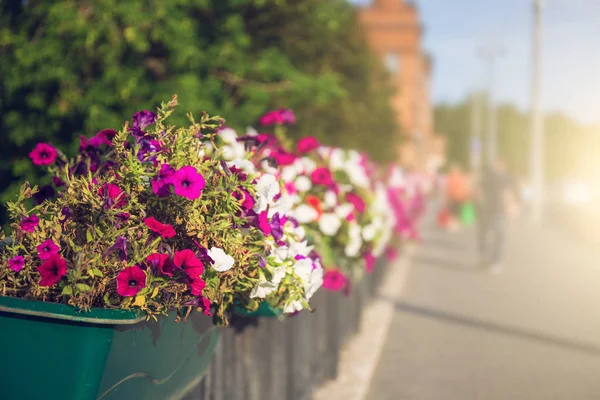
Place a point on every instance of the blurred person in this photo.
(457, 192)
(495, 201)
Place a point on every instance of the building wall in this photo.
(393, 30)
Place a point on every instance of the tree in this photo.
(73, 67)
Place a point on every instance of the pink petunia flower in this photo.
(30, 223)
(43, 154)
(283, 158)
(52, 270)
(164, 230)
(356, 201)
(187, 260)
(369, 262)
(263, 223)
(334, 280)
(113, 196)
(47, 249)
(130, 281)
(162, 263)
(307, 144)
(16, 263)
(188, 182)
(321, 176)
(197, 286)
(245, 198)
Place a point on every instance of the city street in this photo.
(461, 333)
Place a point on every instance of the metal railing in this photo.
(267, 359)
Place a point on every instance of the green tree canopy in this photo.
(73, 67)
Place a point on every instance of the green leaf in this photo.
(67, 290)
(82, 287)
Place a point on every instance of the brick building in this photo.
(394, 32)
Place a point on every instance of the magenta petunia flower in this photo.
(321, 176)
(105, 136)
(206, 306)
(43, 154)
(162, 263)
(245, 198)
(161, 186)
(164, 230)
(113, 196)
(52, 270)
(47, 249)
(391, 253)
(334, 280)
(142, 119)
(263, 223)
(283, 158)
(187, 260)
(130, 281)
(188, 182)
(272, 118)
(30, 223)
(197, 286)
(16, 263)
(369, 261)
(356, 201)
(307, 144)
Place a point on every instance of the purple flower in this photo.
(47, 249)
(262, 261)
(202, 253)
(247, 202)
(45, 192)
(188, 182)
(148, 149)
(162, 185)
(30, 223)
(120, 246)
(16, 263)
(142, 119)
(277, 223)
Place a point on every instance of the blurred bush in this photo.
(74, 67)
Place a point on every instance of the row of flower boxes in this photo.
(52, 351)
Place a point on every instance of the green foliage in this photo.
(570, 148)
(74, 67)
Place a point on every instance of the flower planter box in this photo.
(263, 310)
(52, 351)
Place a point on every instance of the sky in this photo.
(455, 29)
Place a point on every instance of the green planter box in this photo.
(263, 310)
(52, 351)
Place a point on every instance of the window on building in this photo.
(392, 62)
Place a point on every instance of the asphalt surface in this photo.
(461, 333)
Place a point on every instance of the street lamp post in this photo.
(489, 54)
(537, 135)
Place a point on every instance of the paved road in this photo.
(460, 333)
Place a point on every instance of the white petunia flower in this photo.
(303, 184)
(263, 289)
(369, 232)
(301, 248)
(233, 151)
(245, 165)
(343, 210)
(288, 173)
(329, 223)
(314, 283)
(330, 199)
(222, 261)
(336, 159)
(278, 274)
(353, 247)
(305, 214)
(303, 269)
(305, 165)
(228, 135)
(267, 188)
(293, 306)
(283, 205)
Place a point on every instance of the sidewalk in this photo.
(460, 333)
